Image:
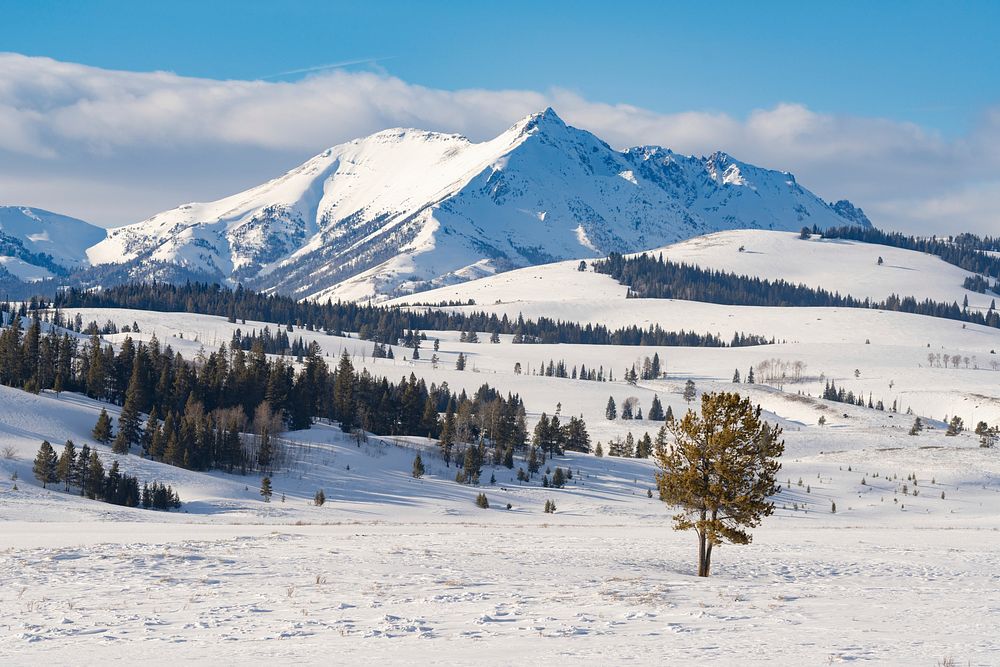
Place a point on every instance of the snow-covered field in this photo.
(397, 570)
(405, 571)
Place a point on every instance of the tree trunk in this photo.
(708, 559)
(702, 555)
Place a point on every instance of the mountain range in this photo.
(406, 210)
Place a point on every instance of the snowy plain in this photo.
(402, 571)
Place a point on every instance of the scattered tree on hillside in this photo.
(656, 410)
(689, 391)
(45, 464)
(66, 467)
(102, 430)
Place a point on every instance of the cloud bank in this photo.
(116, 147)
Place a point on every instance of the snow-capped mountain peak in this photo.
(37, 244)
(404, 210)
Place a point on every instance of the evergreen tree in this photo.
(418, 467)
(644, 448)
(508, 458)
(447, 439)
(82, 468)
(150, 432)
(599, 450)
(460, 362)
(533, 463)
(611, 412)
(656, 410)
(575, 436)
(343, 393)
(265, 489)
(736, 376)
(429, 418)
(95, 477)
(472, 465)
(720, 472)
(689, 391)
(66, 467)
(45, 466)
(102, 430)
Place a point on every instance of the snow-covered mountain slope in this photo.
(35, 243)
(407, 210)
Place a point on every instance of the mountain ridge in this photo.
(404, 210)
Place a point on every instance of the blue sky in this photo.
(114, 111)
(931, 63)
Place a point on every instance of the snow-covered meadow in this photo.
(399, 570)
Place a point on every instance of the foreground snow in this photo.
(476, 592)
(406, 571)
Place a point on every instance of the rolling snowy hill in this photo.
(848, 267)
(407, 210)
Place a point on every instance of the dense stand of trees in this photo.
(832, 392)
(655, 278)
(980, 284)
(377, 323)
(484, 427)
(199, 411)
(83, 471)
(277, 342)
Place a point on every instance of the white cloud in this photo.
(115, 147)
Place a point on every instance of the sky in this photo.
(113, 111)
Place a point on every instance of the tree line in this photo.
(377, 323)
(84, 471)
(656, 278)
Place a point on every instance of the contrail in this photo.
(320, 68)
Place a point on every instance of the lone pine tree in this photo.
(720, 472)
